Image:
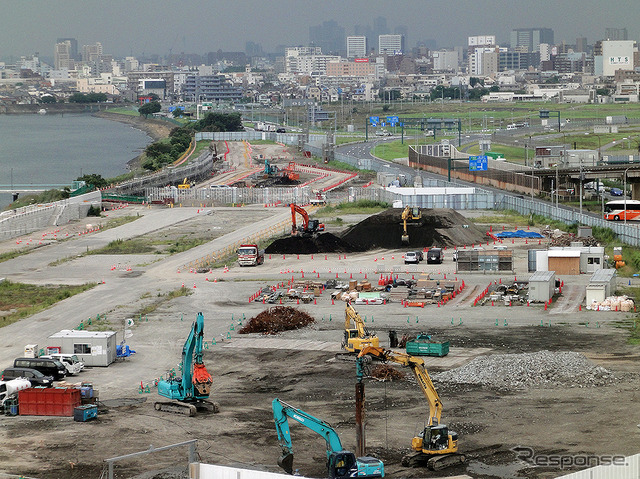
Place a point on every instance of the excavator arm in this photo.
(409, 214)
(420, 373)
(281, 414)
(194, 383)
(305, 218)
(359, 337)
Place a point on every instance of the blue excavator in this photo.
(189, 391)
(341, 464)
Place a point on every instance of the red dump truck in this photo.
(250, 255)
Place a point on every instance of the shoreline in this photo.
(155, 129)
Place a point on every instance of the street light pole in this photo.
(624, 192)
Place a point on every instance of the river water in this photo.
(57, 149)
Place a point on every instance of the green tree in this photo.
(177, 113)
(602, 91)
(47, 99)
(93, 179)
(158, 148)
(149, 108)
(214, 121)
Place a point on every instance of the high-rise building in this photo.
(356, 47)
(329, 36)
(581, 44)
(477, 45)
(529, 39)
(91, 53)
(616, 34)
(62, 59)
(73, 47)
(404, 31)
(618, 55)
(390, 44)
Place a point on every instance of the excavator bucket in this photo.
(286, 462)
(405, 239)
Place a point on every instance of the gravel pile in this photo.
(543, 369)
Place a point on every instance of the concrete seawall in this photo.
(26, 220)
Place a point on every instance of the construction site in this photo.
(466, 364)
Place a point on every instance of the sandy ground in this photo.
(300, 367)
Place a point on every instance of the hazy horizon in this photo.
(144, 28)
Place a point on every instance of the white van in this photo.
(70, 361)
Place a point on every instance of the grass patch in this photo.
(119, 221)
(129, 246)
(391, 150)
(8, 255)
(162, 299)
(20, 300)
(358, 207)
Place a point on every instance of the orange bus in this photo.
(622, 209)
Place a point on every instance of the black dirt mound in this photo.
(437, 227)
(323, 243)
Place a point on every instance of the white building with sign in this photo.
(617, 55)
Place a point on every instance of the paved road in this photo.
(120, 287)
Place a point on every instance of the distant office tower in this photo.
(404, 31)
(380, 26)
(62, 58)
(581, 44)
(74, 47)
(253, 49)
(91, 53)
(356, 47)
(329, 36)
(390, 44)
(477, 46)
(529, 39)
(616, 34)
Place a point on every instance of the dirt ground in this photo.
(300, 368)
(489, 422)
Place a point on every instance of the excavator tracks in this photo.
(188, 409)
(435, 462)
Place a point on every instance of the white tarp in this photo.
(210, 471)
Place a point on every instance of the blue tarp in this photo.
(518, 234)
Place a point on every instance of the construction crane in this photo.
(436, 444)
(341, 464)
(409, 214)
(189, 391)
(358, 338)
(308, 227)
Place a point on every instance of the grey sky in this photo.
(198, 26)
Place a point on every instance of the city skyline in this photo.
(158, 28)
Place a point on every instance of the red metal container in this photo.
(48, 401)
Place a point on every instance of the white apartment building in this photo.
(390, 44)
(445, 60)
(617, 55)
(308, 64)
(356, 47)
(483, 61)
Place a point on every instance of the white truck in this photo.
(250, 255)
(71, 362)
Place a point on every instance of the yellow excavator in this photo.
(358, 338)
(409, 214)
(436, 444)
